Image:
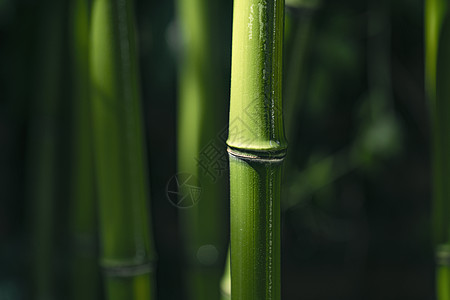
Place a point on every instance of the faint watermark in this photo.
(183, 190)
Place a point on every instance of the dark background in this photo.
(356, 222)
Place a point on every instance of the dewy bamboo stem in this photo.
(256, 146)
(127, 252)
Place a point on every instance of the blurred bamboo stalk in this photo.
(256, 146)
(43, 146)
(126, 244)
(201, 152)
(434, 17)
(437, 47)
(298, 31)
(85, 273)
(440, 212)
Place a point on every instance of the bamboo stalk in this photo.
(437, 45)
(202, 115)
(298, 34)
(434, 17)
(298, 28)
(441, 215)
(256, 146)
(127, 251)
(83, 226)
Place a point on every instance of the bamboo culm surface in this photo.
(126, 246)
(256, 146)
(297, 32)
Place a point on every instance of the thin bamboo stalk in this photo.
(298, 34)
(256, 146)
(437, 45)
(442, 111)
(44, 146)
(85, 273)
(127, 250)
(202, 116)
(434, 17)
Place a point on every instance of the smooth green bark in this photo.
(256, 123)
(255, 229)
(127, 251)
(257, 146)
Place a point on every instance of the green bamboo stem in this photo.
(127, 250)
(257, 147)
(441, 206)
(437, 45)
(434, 17)
(43, 146)
(202, 116)
(83, 227)
(298, 28)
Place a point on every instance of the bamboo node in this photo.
(261, 156)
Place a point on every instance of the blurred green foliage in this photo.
(356, 222)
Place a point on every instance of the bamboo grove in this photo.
(217, 150)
